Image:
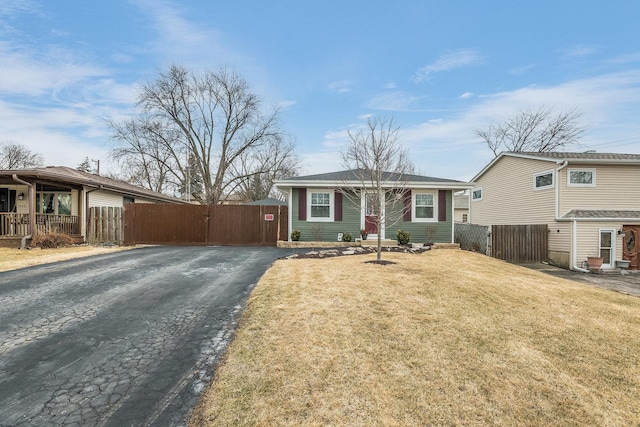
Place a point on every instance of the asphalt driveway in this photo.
(125, 339)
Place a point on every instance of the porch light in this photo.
(21, 196)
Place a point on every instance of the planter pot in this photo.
(623, 264)
(594, 262)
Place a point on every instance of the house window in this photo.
(465, 217)
(543, 180)
(424, 207)
(582, 178)
(53, 203)
(476, 194)
(320, 206)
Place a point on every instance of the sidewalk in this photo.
(628, 284)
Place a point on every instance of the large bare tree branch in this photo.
(199, 126)
(534, 131)
(18, 156)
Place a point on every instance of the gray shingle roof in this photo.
(64, 174)
(582, 156)
(356, 175)
(598, 214)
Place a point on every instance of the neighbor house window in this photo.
(543, 180)
(53, 203)
(424, 207)
(320, 206)
(582, 178)
(476, 194)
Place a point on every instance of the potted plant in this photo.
(364, 233)
(594, 262)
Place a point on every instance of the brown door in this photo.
(631, 246)
(371, 221)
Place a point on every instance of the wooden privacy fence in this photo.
(520, 243)
(105, 225)
(167, 224)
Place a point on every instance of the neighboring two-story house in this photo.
(590, 202)
(321, 210)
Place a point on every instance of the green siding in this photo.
(351, 223)
(328, 230)
(418, 230)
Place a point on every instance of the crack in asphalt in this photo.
(128, 340)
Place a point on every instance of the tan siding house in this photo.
(590, 202)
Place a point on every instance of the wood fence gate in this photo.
(167, 224)
(520, 243)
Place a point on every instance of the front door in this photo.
(631, 246)
(371, 215)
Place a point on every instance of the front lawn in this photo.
(443, 338)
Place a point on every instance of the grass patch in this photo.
(12, 259)
(442, 338)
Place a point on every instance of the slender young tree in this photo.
(378, 166)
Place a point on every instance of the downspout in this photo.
(574, 226)
(290, 213)
(574, 257)
(32, 210)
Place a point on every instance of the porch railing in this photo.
(17, 225)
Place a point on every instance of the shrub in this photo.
(403, 237)
(51, 240)
(347, 237)
(295, 235)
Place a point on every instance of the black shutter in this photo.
(442, 205)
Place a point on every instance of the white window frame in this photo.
(414, 206)
(544, 187)
(310, 217)
(612, 259)
(473, 199)
(576, 184)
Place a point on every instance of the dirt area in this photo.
(13, 259)
(355, 250)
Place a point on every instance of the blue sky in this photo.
(440, 68)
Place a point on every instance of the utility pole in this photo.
(97, 162)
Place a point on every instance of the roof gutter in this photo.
(32, 210)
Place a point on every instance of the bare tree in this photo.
(202, 126)
(18, 156)
(379, 167)
(534, 131)
(275, 160)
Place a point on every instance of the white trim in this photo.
(414, 218)
(544, 187)
(290, 213)
(574, 184)
(473, 191)
(331, 193)
(363, 211)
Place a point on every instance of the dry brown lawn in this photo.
(443, 338)
(11, 259)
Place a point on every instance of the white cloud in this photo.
(466, 95)
(341, 86)
(579, 51)
(395, 101)
(450, 61)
